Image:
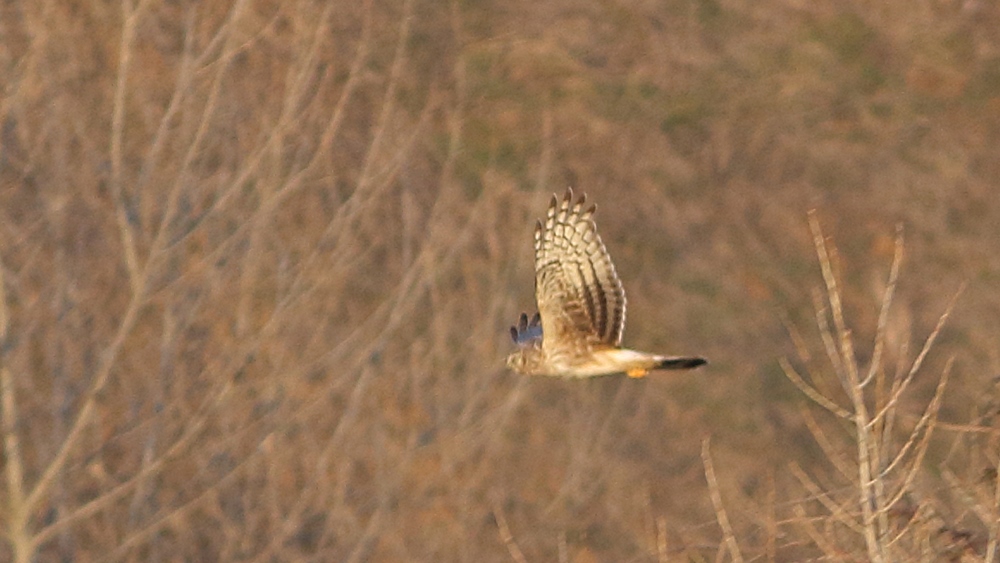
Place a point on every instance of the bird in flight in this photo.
(577, 330)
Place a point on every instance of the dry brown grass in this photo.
(257, 260)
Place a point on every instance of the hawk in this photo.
(577, 330)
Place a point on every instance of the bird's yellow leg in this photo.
(637, 372)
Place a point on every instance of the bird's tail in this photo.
(638, 364)
(678, 362)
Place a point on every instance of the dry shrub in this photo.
(881, 499)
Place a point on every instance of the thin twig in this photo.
(720, 509)
(826, 445)
(870, 497)
(826, 335)
(824, 498)
(883, 316)
(823, 543)
(991, 547)
(811, 392)
(661, 540)
(897, 391)
(928, 420)
(122, 212)
(508, 539)
(17, 510)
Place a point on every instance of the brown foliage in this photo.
(257, 260)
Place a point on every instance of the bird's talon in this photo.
(637, 372)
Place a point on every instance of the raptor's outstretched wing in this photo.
(580, 298)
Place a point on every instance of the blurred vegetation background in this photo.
(259, 258)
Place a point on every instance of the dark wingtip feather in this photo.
(681, 363)
(526, 332)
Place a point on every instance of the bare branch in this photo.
(898, 390)
(17, 509)
(729, 538)
(811, 392)
(505, 536)
(883, 316)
